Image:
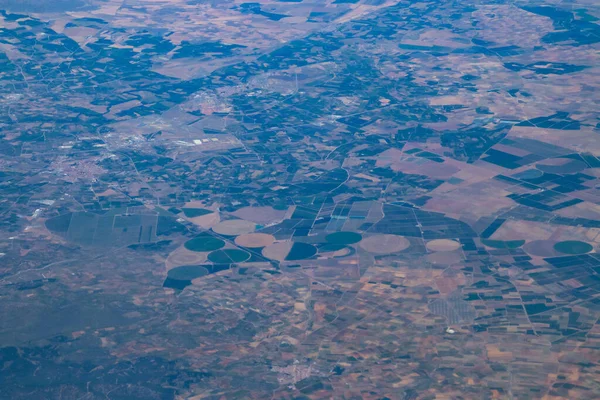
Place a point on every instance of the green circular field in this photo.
(228, 256)
(343, 238)
(204, 243)
(573, 247)
(301, 251)
(187, 272)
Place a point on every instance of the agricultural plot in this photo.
(299, 199)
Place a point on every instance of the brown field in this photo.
(277, 251)
(254, 240)
(442, 245)
(183, 256)
(384, 244)
(234, 227)
(260, 215)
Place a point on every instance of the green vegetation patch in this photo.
(503, 244)
(181, 277)
(329, 247)
(204, 243)
(228, 256)
(168, 226)
(195, 212)
(301, 251)
(187, 272)
(561, 166)
(176, 284)
(528, 174)
(344, 238)
(573, 247)
(60, 223)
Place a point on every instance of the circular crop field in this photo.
(384, 244)
(277, 251)
(187, 272)
(301, 251)
(204, 243)
(228, 256)
(343, 238)
(541, 248)
(442, 245)
(183, 256)
(234, 227)
(254, 240)
(573, 247)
